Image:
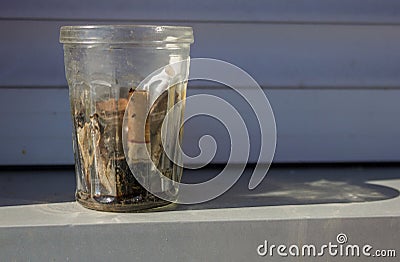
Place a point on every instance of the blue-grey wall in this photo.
(329, 69)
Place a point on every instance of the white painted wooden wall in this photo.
(329, 68)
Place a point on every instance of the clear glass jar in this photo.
(104, 65)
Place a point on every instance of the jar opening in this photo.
(133, 34)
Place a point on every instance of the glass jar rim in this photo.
(130, 34)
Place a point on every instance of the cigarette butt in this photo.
(138, 135)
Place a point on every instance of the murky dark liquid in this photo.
(105, 181)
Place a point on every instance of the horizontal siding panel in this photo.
(312, 125)
(305, 11)
(276, 55)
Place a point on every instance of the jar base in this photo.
(144, 206)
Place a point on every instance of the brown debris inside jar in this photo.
(106, 174)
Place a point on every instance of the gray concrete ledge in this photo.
(39, 222)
